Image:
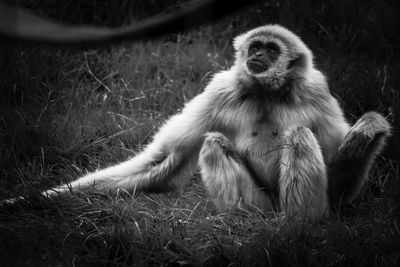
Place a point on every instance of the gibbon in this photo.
(266, 134)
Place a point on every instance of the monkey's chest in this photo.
(258, 141)
(258, 134)
(261, 145)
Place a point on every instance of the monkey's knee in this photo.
(214, 152)
(215, 148)
(372, 123)
(367, 136)
(303, 179)
(301, 143)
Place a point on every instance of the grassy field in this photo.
(64, 113)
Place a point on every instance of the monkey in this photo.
(265, 134)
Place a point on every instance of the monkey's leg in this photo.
(350, 167)
(303, 181)
(226, 178)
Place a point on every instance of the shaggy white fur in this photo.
(274, 140)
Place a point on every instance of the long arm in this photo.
(164, 164)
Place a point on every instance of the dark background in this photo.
(356, 44)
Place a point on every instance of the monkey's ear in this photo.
(239, 41)
(298, 61)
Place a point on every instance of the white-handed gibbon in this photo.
(266, 134)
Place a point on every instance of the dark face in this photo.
(261, 56)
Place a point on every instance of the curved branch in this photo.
(18, 24)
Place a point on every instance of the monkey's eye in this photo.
(272, 48)
(254, 47)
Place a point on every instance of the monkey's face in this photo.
(266, 59)
(261, 56)
(272, 55)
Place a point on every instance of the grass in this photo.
(63, 113)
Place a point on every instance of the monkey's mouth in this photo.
(256, 66)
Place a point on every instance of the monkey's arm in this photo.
(350, 167)
(164, 164)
